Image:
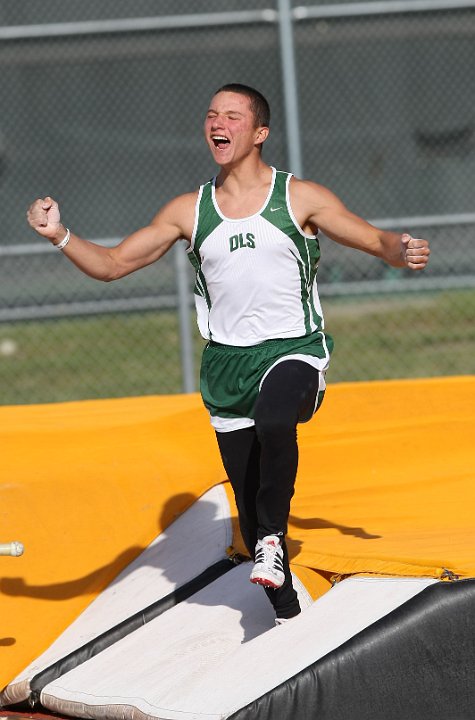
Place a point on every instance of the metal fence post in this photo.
(289, 77)
(186, 333)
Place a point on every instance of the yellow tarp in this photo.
(385, 485)
(388, 480)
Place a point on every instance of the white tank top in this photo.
(255, 276)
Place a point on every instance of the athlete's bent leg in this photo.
(261, 464)
(288, 395)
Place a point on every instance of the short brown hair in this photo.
(259, 105)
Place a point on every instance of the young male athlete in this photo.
(252, 234)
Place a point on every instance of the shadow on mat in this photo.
(322, 524)
(94, 581)
(175, 558)
(98, 579)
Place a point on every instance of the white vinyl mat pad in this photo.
(218, 651)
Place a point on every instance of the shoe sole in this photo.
(265, 582)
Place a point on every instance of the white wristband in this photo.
(64, 241)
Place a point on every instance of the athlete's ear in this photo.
(262, 133)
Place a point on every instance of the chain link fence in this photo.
(102, 106)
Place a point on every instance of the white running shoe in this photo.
(269, 563)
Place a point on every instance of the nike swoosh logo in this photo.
(275, 209)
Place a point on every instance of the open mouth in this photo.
(220, 141)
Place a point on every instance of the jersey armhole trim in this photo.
(197, 217)
(291, 213)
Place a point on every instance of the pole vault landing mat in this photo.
(127, 605)
(182, 634)
(370, 648)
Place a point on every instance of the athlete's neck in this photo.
(244, 177)
(241, 192)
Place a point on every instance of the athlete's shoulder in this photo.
(183, 203)
(308, 187)
(309, 200)
(179, 212)
(187, 200)
(310, 193)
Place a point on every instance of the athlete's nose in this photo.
(217, 124)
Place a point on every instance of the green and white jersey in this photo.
(255, 276)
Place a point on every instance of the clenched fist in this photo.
(44, 217)
(415, 252)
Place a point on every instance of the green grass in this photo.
(138, 354)
(402, 337)
(104, 356)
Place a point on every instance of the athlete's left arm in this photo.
(317, 207)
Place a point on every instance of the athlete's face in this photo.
(230, 128)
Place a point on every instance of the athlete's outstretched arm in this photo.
(141, 248)
(324, 210)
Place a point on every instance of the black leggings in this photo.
(261, 463)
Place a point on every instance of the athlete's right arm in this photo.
(143, 247)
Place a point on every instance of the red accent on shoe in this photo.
(265, 583)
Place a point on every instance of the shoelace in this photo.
(270, 554)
